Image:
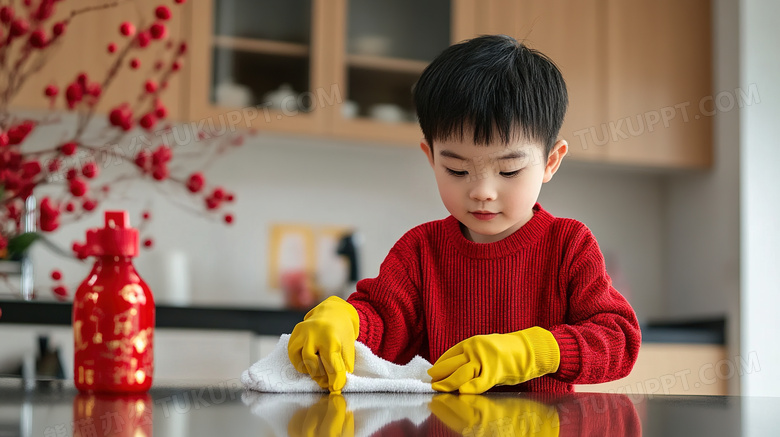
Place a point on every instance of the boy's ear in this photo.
(427, 150)
(554, 160)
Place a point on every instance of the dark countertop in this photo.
(263, 321)
(178, 409)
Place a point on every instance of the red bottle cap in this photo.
(117, 238)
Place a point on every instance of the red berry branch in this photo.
(72, 167)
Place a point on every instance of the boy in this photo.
(500, 293)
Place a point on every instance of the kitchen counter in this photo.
(273, 322)
(174, 409)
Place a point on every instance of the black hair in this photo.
(494, 86)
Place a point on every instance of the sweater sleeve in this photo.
(389, 308)
(600, 340)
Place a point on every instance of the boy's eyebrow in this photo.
(515, 154)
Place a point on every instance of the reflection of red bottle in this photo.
(113, 314)
(111, 414)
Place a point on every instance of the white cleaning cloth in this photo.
(276, 374)
(371, 411)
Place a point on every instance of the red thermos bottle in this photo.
(113, 314)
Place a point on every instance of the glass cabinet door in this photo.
(258, 53)
(386, 47)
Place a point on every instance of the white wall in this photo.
(760, 197)
(382, 191)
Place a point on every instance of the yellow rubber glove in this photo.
(323, 344)
(328, 417)
(478, 363)
(500, 415)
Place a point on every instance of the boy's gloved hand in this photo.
(323, 344)
(328, 417)
(484, 415)
(478, 363)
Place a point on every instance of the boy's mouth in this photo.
(484, 215)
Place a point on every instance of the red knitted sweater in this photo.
(436, 288)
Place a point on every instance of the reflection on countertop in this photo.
(171, 409)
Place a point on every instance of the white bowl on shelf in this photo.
(388, 113)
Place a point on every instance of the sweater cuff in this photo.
(570, 364)
(366, 335)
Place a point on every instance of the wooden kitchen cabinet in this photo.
(84, 49)
(659, 73)
(635, 70)
(676, 369)
(624, 62)
(242, 50)
(572, 34)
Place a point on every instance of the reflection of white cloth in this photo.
(275, 373)
(371, 411)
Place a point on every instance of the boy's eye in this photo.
(456, 173)
(510, 174)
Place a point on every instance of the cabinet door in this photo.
(572, 35)
(259, 64)
(659, 70)
(84, 48)
(382, 47)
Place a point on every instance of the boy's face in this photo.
(499, 179)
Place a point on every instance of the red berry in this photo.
(19, 27)
(70, 207)
(162, 155)
(148, 121)
(158, 31)
(212, 203)
(148, 242)
(51, 91)
(61, 291)
(230, 197)
(150, 86)
(163, 13)
(111, 48)
(78, 187)
(160, 172)
(219, 193)
(182, 48)
(228, 218)
(161, 112)
(144, 38)
(176, 66)
(135, 63)
(143, 158)
(90, 170)
(195, 182)
(6, 14)
(88, 204)
(30, 169)
(56, 275)
(69, 148)
(58, 28)
(179, 1)
(38, 39)
(146, 215)
(71, 174)
(158, 65)
(127, 29)
(54, 165)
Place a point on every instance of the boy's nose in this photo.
(483, 190)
